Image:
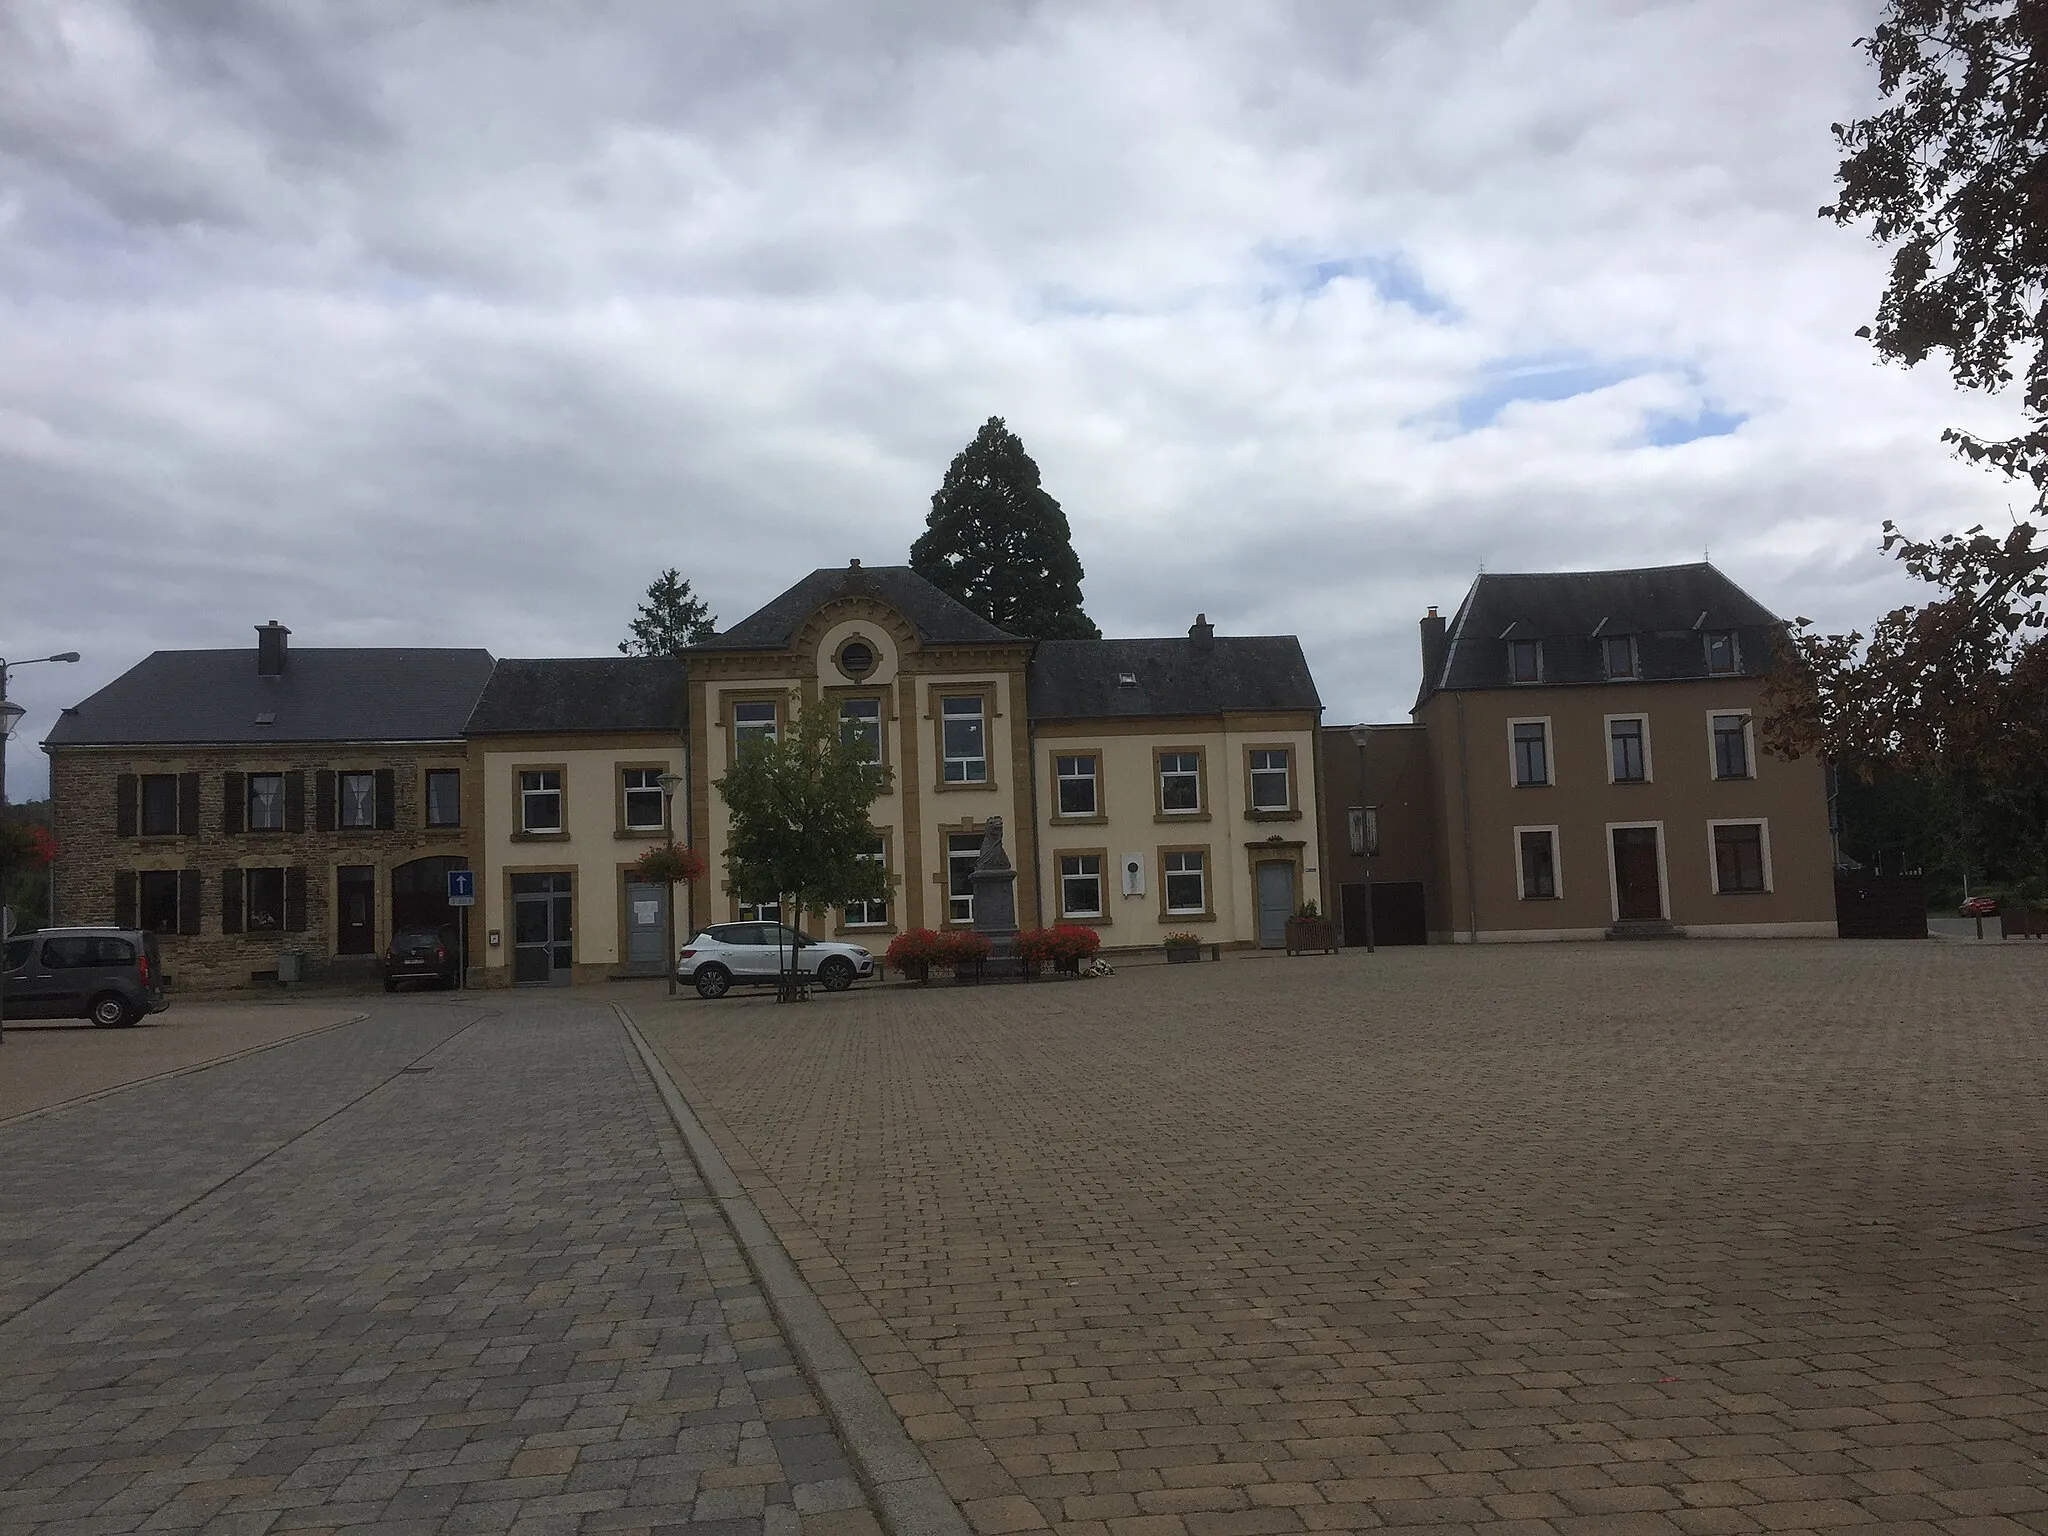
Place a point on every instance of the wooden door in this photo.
(1639, 894)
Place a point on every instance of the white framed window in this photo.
(963, 738)
(1618, 656)
(540, 800)
(1186, 878)
(1525, 661)
(1180, 783)
(1529, 752)
(266, 802)
(1628, 749)
(444, 797)
(1741, 854)
(760, 912)
(1080, 885)
(870, 914)
(963, 850)
(1075, 778)
(356, 799)
(642, 790)
(1724, 657)
(1537, 873)
(1271, 790)
(1728, 741)
(860, 723)
(752, 720)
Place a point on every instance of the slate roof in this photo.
(937, 618)
(572, 694)
(1077, 679)
(214, 697)
(1667, 608)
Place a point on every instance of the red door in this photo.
(1638, 892)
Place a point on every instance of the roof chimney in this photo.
(853, 565)
(1432, 650)
(270, 649)
(1202, 633)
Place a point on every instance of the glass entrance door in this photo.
(543, 947)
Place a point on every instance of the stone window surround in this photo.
(1607, 724)
(840, 694)
(778, 698)
(1748, 747)
(1059, 886)
(1201, 812)
(1549, 779)
(1292, 810)
(519, 833)
(1763, 826)
(935, 696)
(942, 877)
(1556, 865)
(1207, 914)
(842, 929)
(623, 830)
(1101, 813)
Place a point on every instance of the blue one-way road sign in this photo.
(461, 887)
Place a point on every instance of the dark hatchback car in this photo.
(420, 954)
(112, 976)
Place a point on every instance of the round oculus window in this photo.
(856, 659)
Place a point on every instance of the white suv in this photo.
(727, 955)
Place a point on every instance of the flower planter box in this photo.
(1183, 954)
(1311, 934)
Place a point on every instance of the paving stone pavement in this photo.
(1589, 1238)
(445, 1270)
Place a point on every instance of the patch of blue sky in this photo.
(1393, 278)
(1552, 378)
(1669, 431)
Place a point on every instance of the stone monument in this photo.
(995, 900)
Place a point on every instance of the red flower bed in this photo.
(1066, 946)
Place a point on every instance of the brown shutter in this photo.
(189, 882)
(295, 899)
(295, 802)
(124, 895)
(387, 799)
(234, 801)
(188, 807)
(231, 900)
(323, 800)
(127, 795)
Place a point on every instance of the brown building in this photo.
(1595, 766)
(247, 803)
(1380, 832)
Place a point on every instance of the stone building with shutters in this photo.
(241, 803)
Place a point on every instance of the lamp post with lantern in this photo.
(11, 713)
(1362, 827)
(670, 783)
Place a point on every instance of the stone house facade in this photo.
(242, 805)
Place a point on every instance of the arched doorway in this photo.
(419, 896)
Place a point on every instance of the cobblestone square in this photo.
(1678, 1237)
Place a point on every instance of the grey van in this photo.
(112, 976)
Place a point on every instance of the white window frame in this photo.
(1607, 724)
(1556, 865)
(1193, 775)
(867, 918)
(1549, 753)
(1285, 770)
(1067, 911)
(960, 856)
(846, 718)
(1093, 778)
(1748, 746)
(1663, 866)
(1734, 668)
(742, 731)
(1763, 826)
(526, 792)
(627, 789)
(946, 758)
(341, 801)
(1167, 875)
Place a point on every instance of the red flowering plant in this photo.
(1065, 946)
(23, 843)
(912, 953)
(670, 864)
(962, 947)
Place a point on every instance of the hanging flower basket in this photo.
(671, 864)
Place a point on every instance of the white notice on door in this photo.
(646, 912)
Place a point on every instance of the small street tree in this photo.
(999, 543)
(800, 831)
(671, 620)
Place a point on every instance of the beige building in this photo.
(1145, 786)
(1596, 767)
(568, 757)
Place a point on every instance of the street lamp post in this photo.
(670, 783)
(14, 712)
(1365, 835)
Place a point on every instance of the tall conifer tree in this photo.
(1001, 545)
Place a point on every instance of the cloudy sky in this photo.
(452, 323)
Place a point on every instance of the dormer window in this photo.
(1525, 661)
(1619, 654)
(1721, 658)
(1127, 679)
